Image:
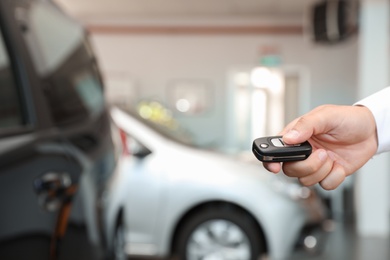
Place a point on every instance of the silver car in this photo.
(170, 199)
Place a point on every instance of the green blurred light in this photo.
(270, 61)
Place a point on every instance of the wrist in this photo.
(370, 123)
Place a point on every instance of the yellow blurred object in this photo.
(157, 113)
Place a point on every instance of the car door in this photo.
(56, 154)
(145, 183)
(37, 179)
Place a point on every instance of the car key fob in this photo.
(273, 149)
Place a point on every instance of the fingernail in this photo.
(292, 134)
(322, 155)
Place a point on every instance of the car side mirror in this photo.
(135, 148)
(139, 150)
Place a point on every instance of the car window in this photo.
(10, 106)
(64, 62)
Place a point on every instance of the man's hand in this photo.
(343, 138)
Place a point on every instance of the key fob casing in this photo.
(273, 149)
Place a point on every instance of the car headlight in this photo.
(291, 189)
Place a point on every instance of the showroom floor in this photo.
(344, 244)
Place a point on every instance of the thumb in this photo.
(299, 131)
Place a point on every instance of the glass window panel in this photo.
(10, 108)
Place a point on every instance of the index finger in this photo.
(273, 167)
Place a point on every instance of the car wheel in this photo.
(119, 243)
(219, 233)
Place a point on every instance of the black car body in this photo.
(56, 153)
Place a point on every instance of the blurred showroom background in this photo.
(233, 70)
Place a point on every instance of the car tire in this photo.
(119, 243)
(219, 232)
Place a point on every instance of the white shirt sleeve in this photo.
(379, 105)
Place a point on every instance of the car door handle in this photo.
(51, 189)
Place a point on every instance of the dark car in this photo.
(56, 153)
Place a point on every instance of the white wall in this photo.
(373, 178)
(152, 61)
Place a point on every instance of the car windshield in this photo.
(159, 119)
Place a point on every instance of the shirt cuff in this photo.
(379, 105)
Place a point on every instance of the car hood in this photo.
(209, 165)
